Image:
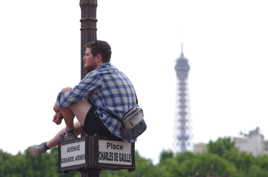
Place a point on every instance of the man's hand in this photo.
(56, 108)
(57, 118)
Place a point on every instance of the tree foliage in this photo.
(221, 145)
(164, 155)
(221, 160)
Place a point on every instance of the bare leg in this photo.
(80, 110)
(36, 150)
(59, 136)
(68, 117)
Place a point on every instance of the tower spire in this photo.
(182, 55)
(182, 115)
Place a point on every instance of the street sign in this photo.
(114, 152)
(73, 154)
(94, 152)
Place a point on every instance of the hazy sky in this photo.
(224, 41)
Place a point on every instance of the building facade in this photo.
(252, 142)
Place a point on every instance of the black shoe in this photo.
(69, 135)
(36, 150)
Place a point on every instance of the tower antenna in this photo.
(182, 113)
(182, 49)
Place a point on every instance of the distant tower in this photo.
(182, 122)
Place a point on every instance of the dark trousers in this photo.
(94, 126)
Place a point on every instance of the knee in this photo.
(66, 89)
(66, 113)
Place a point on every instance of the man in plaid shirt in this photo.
(103, 90)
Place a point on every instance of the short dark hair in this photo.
(100, 47)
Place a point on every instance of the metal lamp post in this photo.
(88, 25)
(88, 33)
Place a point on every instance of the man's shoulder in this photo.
(105, 68)
(98, 73)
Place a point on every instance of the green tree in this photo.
(220, 146)
(256, 171)
(6, 163)
(144, 168)
(166, 155)
(206, 164)
(242, 161)
(170, 166)
(182, 157)
(223, 159)
(262, 161)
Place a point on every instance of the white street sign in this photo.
(73, 154)
(114, 152)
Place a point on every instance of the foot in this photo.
(36, 150)
(69, 135)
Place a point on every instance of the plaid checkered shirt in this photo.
(107, 88)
